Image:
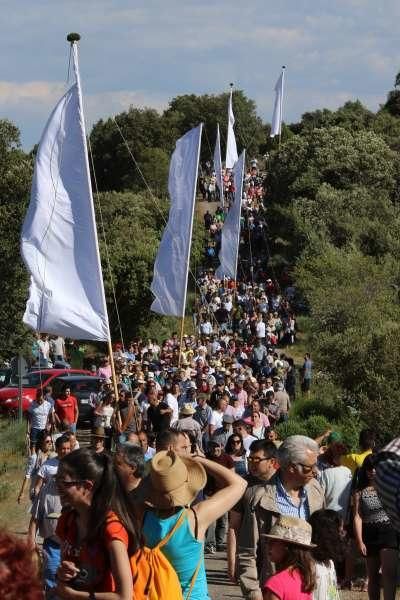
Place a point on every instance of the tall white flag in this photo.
(218, 166)
(276, 125)
(59, 239)
(172, 263)
(231, 149)
(230, 236)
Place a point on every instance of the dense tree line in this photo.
(333, 216)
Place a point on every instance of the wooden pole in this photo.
(188, 254)
(281, 107)
(181, 340)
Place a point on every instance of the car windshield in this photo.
(82, 387)
(30, 380)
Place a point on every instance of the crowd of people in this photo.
(187, 460)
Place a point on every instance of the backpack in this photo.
(154, 578)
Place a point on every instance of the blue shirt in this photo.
(287, 507)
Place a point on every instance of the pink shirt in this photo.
(286, 585)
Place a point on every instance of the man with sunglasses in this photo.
(262, 465)
(292, 491)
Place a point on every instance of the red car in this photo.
(30, 383)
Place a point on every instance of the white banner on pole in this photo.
(172, 263)
(230, 236)
(231, 149)
(276, 124)
(59, 239)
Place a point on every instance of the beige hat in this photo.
(291, 530)
(187, 409)
(173, 480)
(99, 432)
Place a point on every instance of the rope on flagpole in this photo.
(158, 208)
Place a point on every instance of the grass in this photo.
(13, 516)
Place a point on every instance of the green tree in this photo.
(15, 179)
(133, 225)
(143, 130)
(190, 110)
(352, 116)
(355, 318)
(392, 104)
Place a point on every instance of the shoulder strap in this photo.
(169, 535)
(196, 522)
(195, 575)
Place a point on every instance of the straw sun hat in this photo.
(292, 531)
(174, 480)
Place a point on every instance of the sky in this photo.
(146, 52)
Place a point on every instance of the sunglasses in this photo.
(236, 441)
(306, 468)
(256, 459)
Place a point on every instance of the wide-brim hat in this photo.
(292, 531)
(187, 409)
(173, 480)
(99, 432)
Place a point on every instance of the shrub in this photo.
(316, 425)
(292, 426)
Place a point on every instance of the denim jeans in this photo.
(216, 533)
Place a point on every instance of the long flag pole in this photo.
(189, 248)
(240, 210)
(277, 117)
(74, 38)
(281, 106)
(231, 148)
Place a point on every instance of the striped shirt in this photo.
(286, 505)
(388, 480)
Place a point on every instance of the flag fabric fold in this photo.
(218, 167)
(172, 263)
(230, 235)
(276, 124)
(59, 239)
(231, 149)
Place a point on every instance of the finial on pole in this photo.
(283, 67)
(73, 37)
(231, 84)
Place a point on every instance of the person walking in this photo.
(292, 491)
(97, 533)
(376, 538)
(174, 483)
(66, 411)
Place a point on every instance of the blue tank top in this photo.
(182, 550)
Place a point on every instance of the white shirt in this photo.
(326, 583)
(336, 483)
(173, 403)
(247, 441)
(150, 452)
(260, 329)
(49, 468)
(39, 414)
(206, 328)
(103, 416)
(44, 348)
(216, 418)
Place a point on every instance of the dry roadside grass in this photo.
(13, 516)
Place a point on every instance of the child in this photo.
(289, 547)
(326, 526)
